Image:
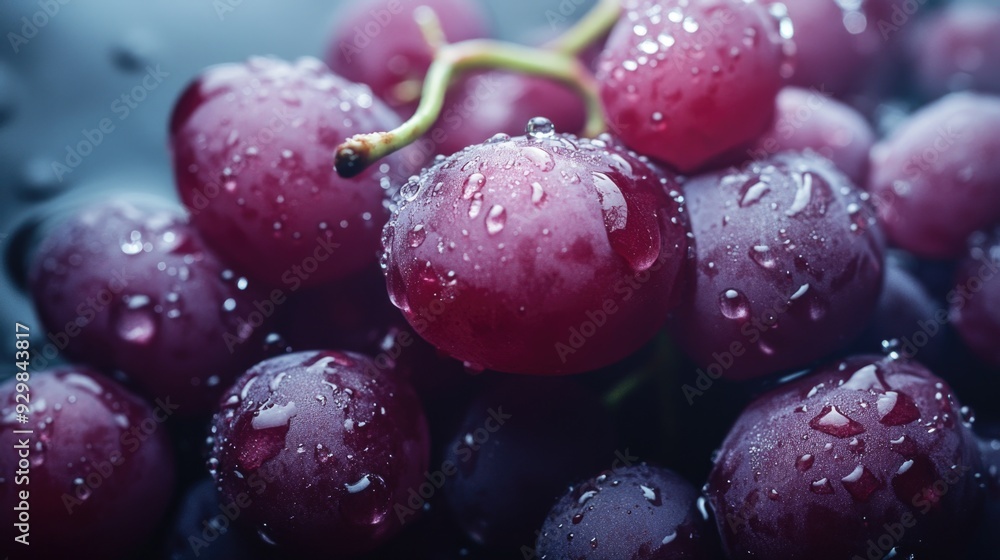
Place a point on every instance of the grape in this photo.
(543, 254)
(935, 177)
(807, 119)
(835, 44)
(379, 43)
(788, 266)
(327, 445)
(904, 310)
(990, 448)
(685, 82)
(252, 153)
(100, 469)
(975, 307)
(861, 457)
(499, 102)
(521, 443)
(634, 513)
(129, 286)
(204, 528)
(958, 48)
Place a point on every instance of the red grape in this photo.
(685, 82)
(329, 447)
(131, 287)
(975, 305)
(379, 43)
(935, 177)
(633, 513)
(862, 453)
(835, 44)
(252, 154)
(544, 254)
(788, 268)
(100, 471)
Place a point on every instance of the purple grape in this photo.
(329, 447)
(862, 457)
(252, 145)
(935, 177)
(544, 254)
(807, 119)
(975, 302)
(99, 472)
(788, 266)
(634, 513)
(687, 81)
(958, 48)
(522, 442)
(205, 528)
(131, 287)
(379, 43)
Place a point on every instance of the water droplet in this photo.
(540, 127)
(803, 195)
(473, 184)
(752, 192)
(417, 236)
(805, 462)
(734, 305)
(669, 538)
(135, 321)
(861, 483)
(831, 421)
(896, 409)
(539, 157)
(652, 495)
(821, 486)
(537, 193)
(496, 219)
(367, 501)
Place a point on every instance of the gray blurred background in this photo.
(65, 64)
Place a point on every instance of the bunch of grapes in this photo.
(378, 323)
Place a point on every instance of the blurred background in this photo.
(62, 77)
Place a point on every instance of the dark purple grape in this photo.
(905, 312)
(860, 458)
(633, 513)
(522, 442)
(205, 528)
(958, 48)
(788, 269)
(543, 254)
(975, 301)
(807, 119)
(252, 149)
(379, 43)
(131, 287)
(934, 178)
(685, 82)
(490, 103)
(328, 445)
(98, 470)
